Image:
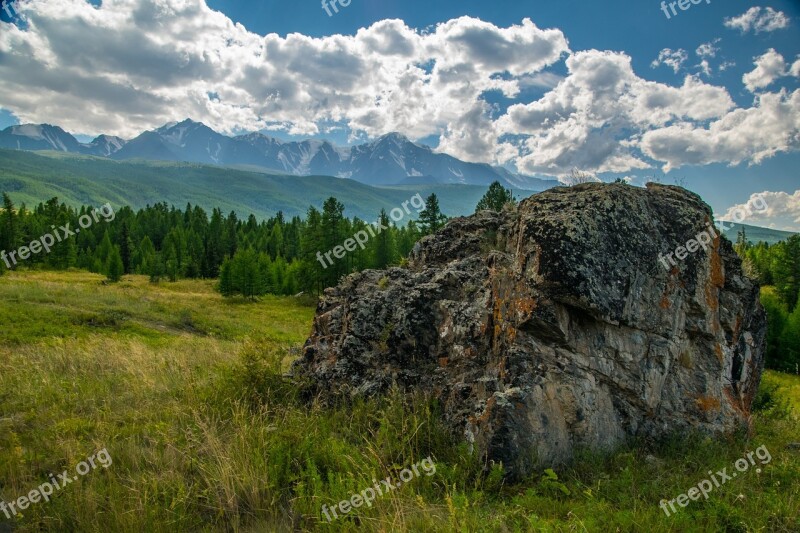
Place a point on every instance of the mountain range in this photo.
(31, 177)
(389, 160)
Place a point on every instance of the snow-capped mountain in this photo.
(389, 160)
(38, 137)
(104, 145)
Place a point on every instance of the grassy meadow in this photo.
(185, 392)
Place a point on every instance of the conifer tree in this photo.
(495, 198)
(431, 218)
(114, 266)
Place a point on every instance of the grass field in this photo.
(185, 392)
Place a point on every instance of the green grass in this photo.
(185, 391)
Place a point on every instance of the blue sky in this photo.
(576, 87)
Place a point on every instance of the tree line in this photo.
(277, 255)
(777, 268)
(281, 256)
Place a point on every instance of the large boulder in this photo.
(559, 325)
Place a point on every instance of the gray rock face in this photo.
(554, 326)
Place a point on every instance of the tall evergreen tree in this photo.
(126, 248)
(114, 267)
(312, 244)
(431, 218)
(225, 282)
(495, 198)
(385, 249)
(104, 251)
(786, 270)
(9, 227)
(332, 236)
(790, 343)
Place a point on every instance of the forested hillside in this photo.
(777, 267)
(165, 242)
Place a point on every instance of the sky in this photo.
(707, 96)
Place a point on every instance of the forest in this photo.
(252, 258)
(777, 268)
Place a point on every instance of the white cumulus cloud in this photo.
(141, 63)
(758, 19)
(674, 59)
(754, 134)
(132, 65)
(769, 67)
(766, 207)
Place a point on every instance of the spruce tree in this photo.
(495, 198)
(332, 236)
(385, 249)
(431, 218)
(114, 268)
(126, 247)
(225, 286)
(9, 227)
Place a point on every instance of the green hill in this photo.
(755, 234)
(80, 180)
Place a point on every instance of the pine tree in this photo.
(790, 343)
(385, 249)
(786, 270)
(777, 316)
(243, 274)
(156, 270)
(431, 218)
(9, 227)
(312, 244)
(225, 286)
(495, 198)
(332, 236)
(126, 247)
(114, 268)
(232, 237)
(171, 263)
(104, 252)
(216, 245)
(741, 245)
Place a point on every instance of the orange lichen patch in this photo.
(716, 279)
(712, 297)
(490, 403)
(524, 306)
(501, 369)
(734, 401)
(719, 352)
(443, 361)
(507, 308)
(664, 302)
(708, 403)
(717, 270)
(512, 334)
